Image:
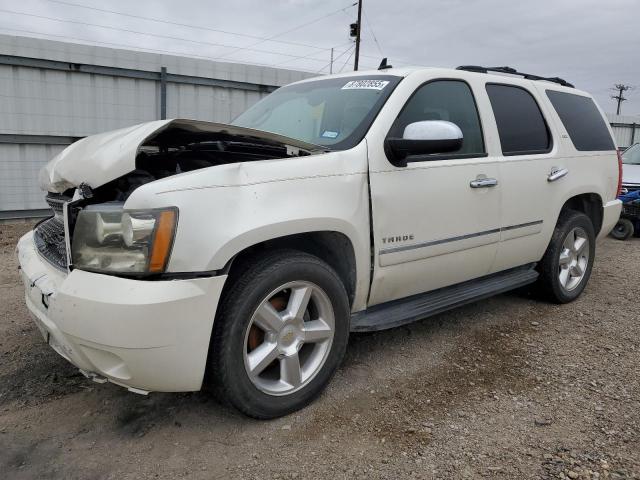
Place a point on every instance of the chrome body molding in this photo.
(413, 246)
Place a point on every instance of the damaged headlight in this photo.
(108, 239)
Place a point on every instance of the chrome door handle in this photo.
(557, 174)
(483, 183)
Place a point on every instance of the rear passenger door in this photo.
(529, 158)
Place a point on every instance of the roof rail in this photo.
(513, 71)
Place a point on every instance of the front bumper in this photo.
(610, 216)
(143, 335)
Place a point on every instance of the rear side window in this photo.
(521, 126)
(583, 121)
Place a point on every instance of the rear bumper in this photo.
(610, 215)
(143, 335)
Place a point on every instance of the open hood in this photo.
(101, 158)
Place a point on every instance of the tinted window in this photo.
(449, 100)
(583, 121)
(521, 126)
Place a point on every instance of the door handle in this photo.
(483, 183)
(557, 174)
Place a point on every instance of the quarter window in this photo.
(583, 121)
(521, 126)
(449, 100)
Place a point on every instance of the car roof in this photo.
(444, 72)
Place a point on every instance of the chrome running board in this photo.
(406, 310)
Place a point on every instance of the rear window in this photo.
(521, 126)
(582, 120)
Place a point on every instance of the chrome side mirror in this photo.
(423, 138)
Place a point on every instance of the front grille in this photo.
(49, 234)
(632, 209)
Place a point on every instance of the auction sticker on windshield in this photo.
(366, 84)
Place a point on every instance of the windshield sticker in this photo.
(329, 134)
(366, 84)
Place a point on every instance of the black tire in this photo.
(549, 284)
(623, 229)
(248, 287)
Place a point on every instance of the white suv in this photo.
(185, 253)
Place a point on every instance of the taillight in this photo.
(619, 174)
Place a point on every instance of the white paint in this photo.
(152, 335)
(98, 159)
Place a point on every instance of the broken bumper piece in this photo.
(143, 335)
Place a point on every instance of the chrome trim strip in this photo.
(521, 225)
(403, 248)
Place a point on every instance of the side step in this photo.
(407, 310)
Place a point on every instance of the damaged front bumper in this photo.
(143, 335)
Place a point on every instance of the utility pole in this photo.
(331, 63)
(620, 88)
(359, 28)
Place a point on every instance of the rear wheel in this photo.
(281, 334)
(566, 266)
(623, 229)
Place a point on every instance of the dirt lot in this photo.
(508, 388)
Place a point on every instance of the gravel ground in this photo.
(507, 388)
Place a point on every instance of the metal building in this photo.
(52, 93)
(625, 128)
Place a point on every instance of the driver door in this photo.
(436, 220)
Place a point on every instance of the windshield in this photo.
(631, 156)
(333, 112)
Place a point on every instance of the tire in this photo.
(559, 281)
(623, 229)
(275, 284)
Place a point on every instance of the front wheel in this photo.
(281, 334)
(566, 266)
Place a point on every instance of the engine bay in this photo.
(183, 149)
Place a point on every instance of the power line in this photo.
(291, 29)
(315, 53)
(199, 27)
(336, 58)
(366, 19)
(347, 60)
(186, 25)
(169, 37)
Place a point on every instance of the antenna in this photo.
(383, 64)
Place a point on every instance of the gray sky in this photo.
(591, 43)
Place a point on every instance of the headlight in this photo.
(109, 239)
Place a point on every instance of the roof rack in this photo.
(513, 71)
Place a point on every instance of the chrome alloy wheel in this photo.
(574, 259)
(289, 338)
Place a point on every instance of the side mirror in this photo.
(423, 138)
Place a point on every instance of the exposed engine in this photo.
(180, 146)
(179, 150)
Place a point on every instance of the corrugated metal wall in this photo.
(50, 91)
(19, 167)
(626, 129)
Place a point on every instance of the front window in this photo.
(631, 156)
(333, 112)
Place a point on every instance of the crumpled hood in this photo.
(101, 158)
(631, 173)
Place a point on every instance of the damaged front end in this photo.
(89, 182)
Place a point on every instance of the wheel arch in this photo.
(588, 203)
(333, 247)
